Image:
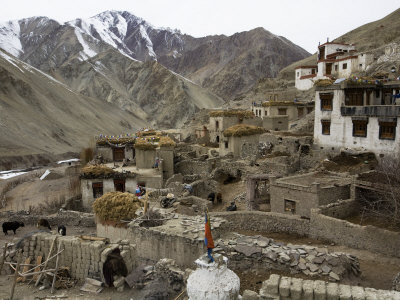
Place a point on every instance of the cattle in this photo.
(13, 225)
(114, 265)
(232, 207)
(219, 198)
(43, 223)
(211, 197)
(62, 230)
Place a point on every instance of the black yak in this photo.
(43, 223)
(114, 265)
(13, 225)
(62, 230)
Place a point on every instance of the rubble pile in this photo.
(244, 251)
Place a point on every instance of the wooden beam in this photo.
(26, 267)
(3, 257)
(45, 265)
(55, 272)
(37, 268)
(15, 276)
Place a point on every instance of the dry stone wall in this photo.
(249, 252)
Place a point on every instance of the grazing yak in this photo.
(13, 225)
(62, 230)
(114, 265)
(43, 223)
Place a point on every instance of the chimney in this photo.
(327, 40)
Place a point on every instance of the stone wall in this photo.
(63, 217)
(356, 236)
(290, 288)
(145, 159)
(84, 258)
(340, 209)
(263, 222)
(190, 167)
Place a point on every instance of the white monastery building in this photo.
(359, 116)
(334, 60)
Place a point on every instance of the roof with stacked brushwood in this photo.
(242, 114)
(243, 130)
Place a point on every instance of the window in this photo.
(282, 111)
(97, 189)
(217, 125)
(309, 109)
(290, 206)
(326, 101)
(119, 185)
(326, 127)
(217, 139)
(354, 97)
(226, 145)
(256, 112)
(344, 66)
(312, 71)
(387, 130)
(360, 65)
(360, 128)
(377, 93)
(336, 67)
(298, 74)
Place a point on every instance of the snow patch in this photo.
(149, 43)
(68, 160)
(86, 49)
(10, 60)
(9, 37)
(11, 175)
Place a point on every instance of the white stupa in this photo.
(213, 281)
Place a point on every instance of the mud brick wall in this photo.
(341, 209)
(282, 287)
(83, 258)
(360, 237)
(264, 222)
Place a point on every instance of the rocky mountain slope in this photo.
(225, 65)
(39, 114)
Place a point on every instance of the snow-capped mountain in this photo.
(129, 34)
(228, 66)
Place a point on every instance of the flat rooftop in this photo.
(145, 172)
(323, 178)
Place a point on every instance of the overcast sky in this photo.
(304, 22)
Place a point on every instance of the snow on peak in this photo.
(10, 37)
(87, 52)
(149, 43)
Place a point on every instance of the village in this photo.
(301, 197)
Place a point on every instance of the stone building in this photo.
(98, 180)
(241, 140)
(360, 115)
(299, 194)
(277, 114)
(223, 119)
(115, 148)
(334, 60)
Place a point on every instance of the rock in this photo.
(249, 295)
(318, 260)
(334, 276)
(302, 266)
(312, 267)
(262, 244)
(247, 250)
(119, 281)
(120, 288)
(284, 257)
(326, 269)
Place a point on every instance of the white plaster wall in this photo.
(341, 133)
(87, 190)
(321, 69)
(304, 84)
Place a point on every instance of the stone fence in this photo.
(264, 222)
(63, 217)
(352, 235)
(282, 287)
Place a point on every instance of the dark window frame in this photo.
(387, 130)
(344, 66)
(326, 101)
(289, 206)
(282, 110)
(326, 127)
(98, 189)
(360, 128)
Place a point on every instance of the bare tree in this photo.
(383, 200)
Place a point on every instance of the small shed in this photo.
(241, 140)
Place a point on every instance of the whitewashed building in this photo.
(334, 60)
(358, 116)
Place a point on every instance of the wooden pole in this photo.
(55, 272)
(15, 276)
(4, 257)
(45, 265)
